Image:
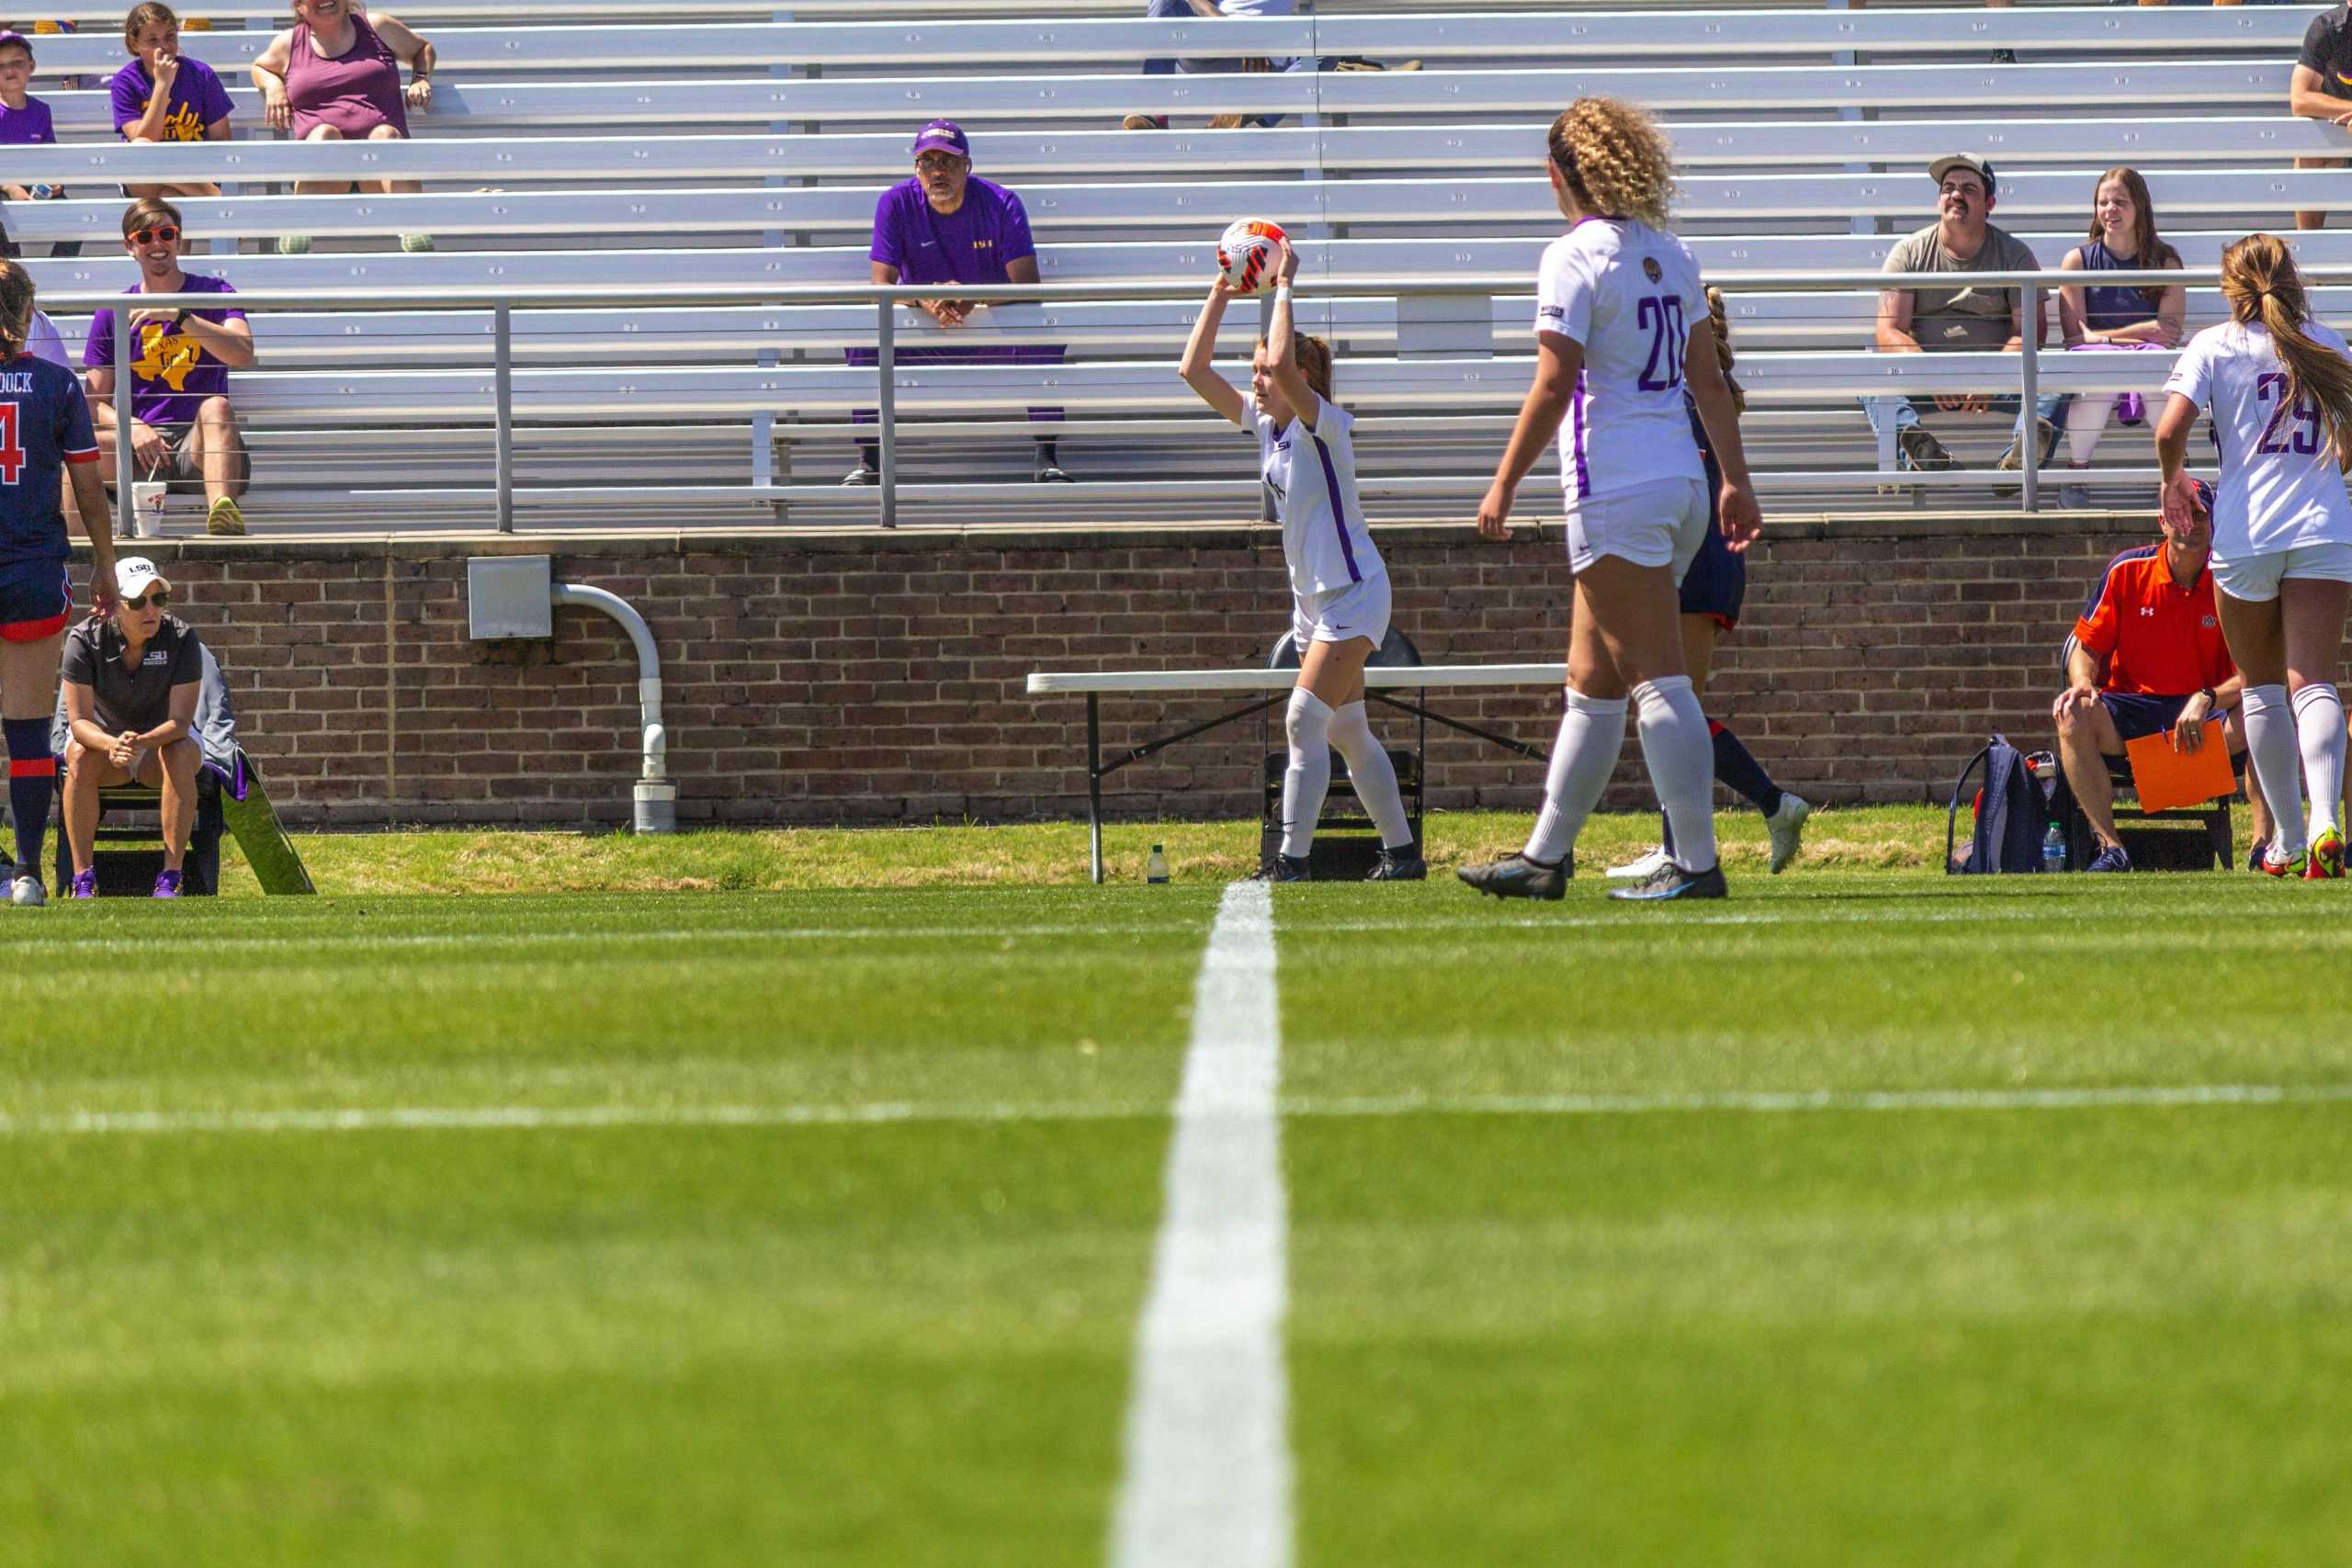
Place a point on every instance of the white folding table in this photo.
(1378, 681)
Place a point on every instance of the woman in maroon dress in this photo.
(334, 76)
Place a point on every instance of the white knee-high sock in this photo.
(1681, 758)
(1592, 732)
(1374, 774)
(2319, 727)
(2271, 742)
(1309, 778)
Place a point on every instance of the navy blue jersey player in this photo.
(1713, 591)
(45, 440)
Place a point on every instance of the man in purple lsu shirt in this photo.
(947, 226)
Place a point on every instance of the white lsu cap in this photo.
(134, 573)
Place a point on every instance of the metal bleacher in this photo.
(573, 144)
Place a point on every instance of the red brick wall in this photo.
(878, 678)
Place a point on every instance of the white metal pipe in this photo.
(656, 797)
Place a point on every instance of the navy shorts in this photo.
(2136, 714)
(1716, 584)
(36, 599)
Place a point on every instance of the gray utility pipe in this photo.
(656, 798)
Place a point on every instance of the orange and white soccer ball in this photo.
(1248, 253)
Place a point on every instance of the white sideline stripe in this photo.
(1208, 1473)
(532, 1118)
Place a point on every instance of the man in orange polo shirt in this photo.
(2146, 656)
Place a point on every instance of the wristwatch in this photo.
(2212, 703)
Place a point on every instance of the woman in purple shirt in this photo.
(334, 76)
(163, 96)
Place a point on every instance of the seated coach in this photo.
(2148, 656)
(131, 684)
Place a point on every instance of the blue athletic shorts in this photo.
(2136, 714)
(36, 599)
(1716, 584)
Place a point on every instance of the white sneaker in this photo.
(27, 893)
(1641, 870)
(1787, 828)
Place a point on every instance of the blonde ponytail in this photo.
(1721, 321)
(2261, 283)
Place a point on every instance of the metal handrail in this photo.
(502, 302)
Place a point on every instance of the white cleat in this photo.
(1640, 870)
(26, 893)
(1787, 828)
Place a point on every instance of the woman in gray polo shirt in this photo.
(131, 684)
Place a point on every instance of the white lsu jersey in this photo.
(1629, 294)
(2280, 487)
(1313, 473)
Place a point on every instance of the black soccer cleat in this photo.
(1670, 881)
(1398, 865)
(1284, 868)
(1516, 876)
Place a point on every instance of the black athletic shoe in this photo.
(861, 475)
(1516, 876)
(1398, 865)
(1050, 474)
(1284, 868)
(1670, 881)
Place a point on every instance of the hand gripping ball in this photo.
(1247, 254)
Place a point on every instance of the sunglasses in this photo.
(162, 234)
(155, 600)
(931, 161)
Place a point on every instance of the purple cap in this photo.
(12, 36)
(2204, 495)
(942, 136)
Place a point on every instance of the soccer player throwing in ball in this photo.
(1339, 587)
(1621, 330)
(2279, 386)
(44, 434)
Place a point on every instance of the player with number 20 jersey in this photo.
(1620, 329)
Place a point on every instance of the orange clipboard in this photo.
(2165, 778)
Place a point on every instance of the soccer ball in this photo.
(1248, 253)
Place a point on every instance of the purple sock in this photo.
(32, 787)
(1742, 772)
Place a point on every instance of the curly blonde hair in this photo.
(1614, 159)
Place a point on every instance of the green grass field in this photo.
(813, 1225)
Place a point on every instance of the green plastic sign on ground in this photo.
(262, 839)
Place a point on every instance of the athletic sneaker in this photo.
(1672, 881)
(1516, 876)
(1920, 449)
(412, 243)
(26, 893)
(1398, 865)
(224, 520)
(861, 475)
(1640, 869)
(167, 885)
(2111, 857)
(293, 244)
(2326, 857)
(1049, 474)
(1284, 868)
(2255, 856)
(1787, 828)
(85, 884)
(2282, 867)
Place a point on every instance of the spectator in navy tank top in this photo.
(2107, 316)
(164, 95)
(950, 228)
(334, 76)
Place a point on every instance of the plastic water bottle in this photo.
(2054, 849)
(1155, 869)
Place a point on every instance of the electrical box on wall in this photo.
(510, 596)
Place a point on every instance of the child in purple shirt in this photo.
(949, 227)
(24, 122)
(163, 96)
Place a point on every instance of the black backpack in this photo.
(2014, 811)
